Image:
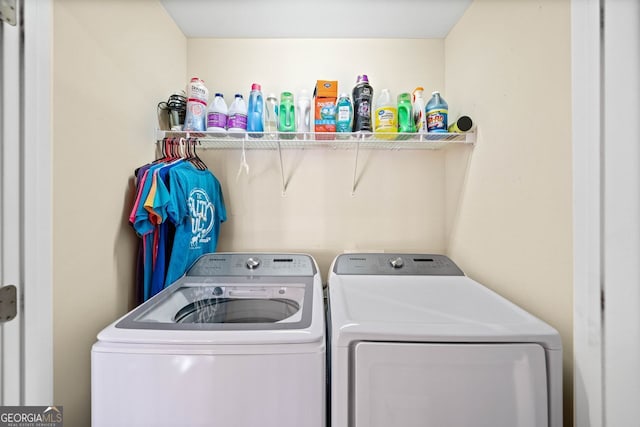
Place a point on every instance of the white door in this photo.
(11, 231)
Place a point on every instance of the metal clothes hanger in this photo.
(193, 154)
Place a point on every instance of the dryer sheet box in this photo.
(324, 102)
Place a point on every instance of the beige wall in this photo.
(510, 218)
(398, 203)
(113, 60)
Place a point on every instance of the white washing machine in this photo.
(238, 341)
(414, 342)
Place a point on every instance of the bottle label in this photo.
(417, 119)
(386, 119)
(237, 121)
(216, 120)
(344, 113)
(198, 92)
(363, 109)
(419, 116)
(437, 120)
(196, 117)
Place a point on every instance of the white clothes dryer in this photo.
(414, 342)
(239, 340)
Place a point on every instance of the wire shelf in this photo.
(318, 140)
(322, 140)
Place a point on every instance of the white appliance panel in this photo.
(225, 390)
(453, 385)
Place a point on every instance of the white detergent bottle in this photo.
(237, 122)
(271, 115)
(303, 114)
(217, 115)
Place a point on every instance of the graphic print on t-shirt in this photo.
(202, 212)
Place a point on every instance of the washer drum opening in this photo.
(231, 310)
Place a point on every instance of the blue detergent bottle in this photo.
(255, 111)
(437, 111)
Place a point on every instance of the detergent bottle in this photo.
(237, 122)
(286, 116)
(217, 115)
(385, 116)
(255, 111)
(303, 114)
(437, 112)
(344, 115)
(271, 115)
(197, 97)
(406, 123)
(362, 105)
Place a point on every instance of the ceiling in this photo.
(316, 19)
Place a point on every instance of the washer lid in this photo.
(428, 308)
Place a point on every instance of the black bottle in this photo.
(362, 104)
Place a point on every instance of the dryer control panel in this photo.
(252, 264)
(387, 264)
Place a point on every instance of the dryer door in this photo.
(453, 385)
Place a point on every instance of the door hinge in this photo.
(8, 12)
(8, 303)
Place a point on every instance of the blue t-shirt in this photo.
(196, 207)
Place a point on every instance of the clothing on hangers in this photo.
(177, 214)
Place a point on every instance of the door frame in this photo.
(38, 204)
(587, 202)
(587, 213)
(11, 332)
(621, 203)
(606, 187)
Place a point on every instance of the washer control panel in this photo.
(396, 264)
(252, 264)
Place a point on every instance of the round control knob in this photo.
(217, 291)
(396, 262)
(253, 263)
